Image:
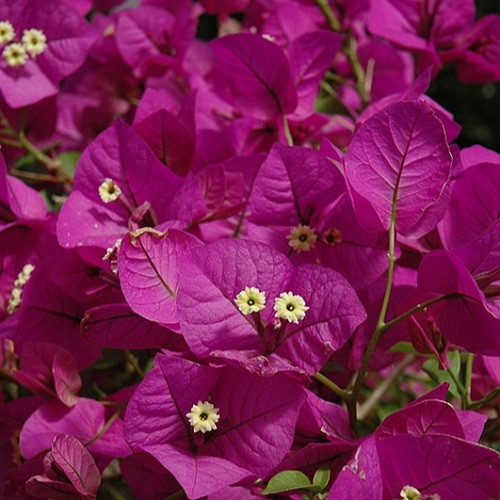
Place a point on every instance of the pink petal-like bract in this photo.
(398, 161)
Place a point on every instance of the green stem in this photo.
(378, 393)
(52, 165)
(489, 397)
(133, 361)
(468, 377)
(36, 177)
(10, 142)
(330, 16)
(286, 131)
(105, 427)
(413, 310)
(331, 385)
(380, 328)
(350, 51)
(6, 375)
(460, 387)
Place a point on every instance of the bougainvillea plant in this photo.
(250, 262)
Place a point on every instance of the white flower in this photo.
(17, 292)
(290, 307)
(109, 191)
(203, 417)
(15, 55)
(34, 41)
(250, 300)
(302, 238)
(7, 32)
(409, 493)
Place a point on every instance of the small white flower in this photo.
(15, 55)
(203, 417)
(302, 238)
(7, 32)
(250, 300)
(409, 493)
(109, 190)
(290, 307)
(34, 41)
(17, 292)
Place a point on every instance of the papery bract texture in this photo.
(398, 161)
(121, 155)
(84, 421)
(68, 36)
(255, 429)
(212, 277)
(148, 267)
(360, 477)
(255, 74)
(443, 465)
(464, 316)
(69, 458)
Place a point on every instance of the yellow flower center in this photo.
(34, 41)
(109, 191)
(332, 236)
(7, 32)
(14, 55)
(290, 307)
(302, 238)
(409, 493)
(250, 300)
(203, 417)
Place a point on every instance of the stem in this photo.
(331, 385)
(413, 310)
(377, 394)
(133, 361)
(10, 142)
(349, 49)
(111, 491)
(468, 377)
(350, 52)
(36, 177)
(52, 165)
(105, 427)
(330, 16)
(6, 375)
(460, 387)
(286, 131)
(379, 330)
(489, 397)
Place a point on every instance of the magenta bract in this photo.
(253, 413)
(381, 163)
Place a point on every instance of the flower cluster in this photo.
(16, 53)
(249, 261)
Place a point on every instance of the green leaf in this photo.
(404, 347)
(68, 160)
(431, 367)
(287, 480)
(321, 477)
